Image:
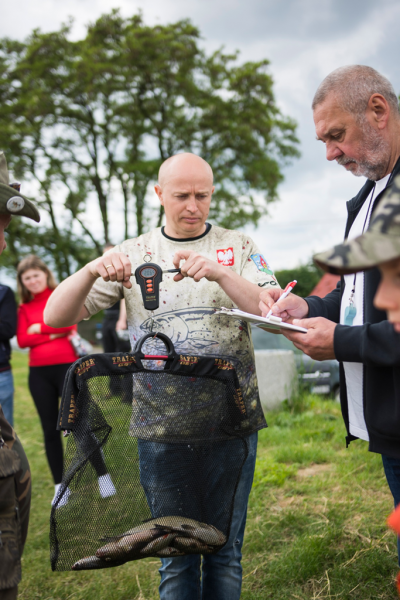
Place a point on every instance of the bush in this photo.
(307, 277)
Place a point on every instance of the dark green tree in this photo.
(90, 122)
(307, 277)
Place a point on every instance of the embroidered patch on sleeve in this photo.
(261, 263)
(225, 257)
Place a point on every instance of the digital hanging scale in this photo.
(149, 276)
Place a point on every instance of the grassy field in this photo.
(316, 523)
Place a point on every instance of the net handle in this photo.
(164, 338)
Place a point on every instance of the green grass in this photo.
(316, 522)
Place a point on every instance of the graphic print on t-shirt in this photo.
(226, 257)
(261, 263)
(188, 327)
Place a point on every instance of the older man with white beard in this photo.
(356, 115)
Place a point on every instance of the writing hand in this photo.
(291, 307)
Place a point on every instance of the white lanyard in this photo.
(351, 310)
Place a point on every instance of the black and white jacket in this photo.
(375, 344)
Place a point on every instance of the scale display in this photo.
(148, 272)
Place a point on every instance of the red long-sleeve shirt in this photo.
(43, 350)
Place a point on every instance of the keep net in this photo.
(153, 460)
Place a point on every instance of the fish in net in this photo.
(173, 441)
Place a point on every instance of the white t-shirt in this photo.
(354, 371)
(187, 308)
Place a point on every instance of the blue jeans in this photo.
(173, 489)
(7, 395)
(392, 472)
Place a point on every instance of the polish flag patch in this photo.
(225, 257)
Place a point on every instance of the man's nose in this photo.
(332, 151)
(191, 205)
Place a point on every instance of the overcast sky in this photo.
(303, 40)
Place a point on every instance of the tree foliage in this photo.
(90, 122)
(307, 277)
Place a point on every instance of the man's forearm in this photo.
(371, 344)
(243, 293)
(65, 306)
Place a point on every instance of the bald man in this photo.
(218, 268)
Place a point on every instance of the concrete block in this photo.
(277, 376)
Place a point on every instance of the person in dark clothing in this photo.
(15, 475)
(356, 115)
(109, 334)
(113, 322)
(378, 247)
(8, 328)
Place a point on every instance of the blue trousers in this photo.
(216, 576)
(7, 395)
(392, 472)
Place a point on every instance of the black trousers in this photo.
(111, 341)
(110, 338)
(46, 384)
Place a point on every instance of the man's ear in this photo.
(379, 110)
(158, 191)
(212, 191)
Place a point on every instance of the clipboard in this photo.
(261, 322)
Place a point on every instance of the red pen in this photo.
(286, 292)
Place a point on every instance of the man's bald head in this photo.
(185, 187)
(188, 165)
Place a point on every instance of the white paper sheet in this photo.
(261, 322)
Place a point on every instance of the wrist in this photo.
(222, 274)
(89, 273)
(306, 309)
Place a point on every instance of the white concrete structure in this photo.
(277, 376)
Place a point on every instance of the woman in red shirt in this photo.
(50, 355)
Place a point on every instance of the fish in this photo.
(143, 527)
(169, 551)
(190, 528)
(129, 544)
(192, 546)
(93, 562)
(158, 544)
(185, 527)
(154, 535)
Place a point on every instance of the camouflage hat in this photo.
(11, 201)
(380, 243)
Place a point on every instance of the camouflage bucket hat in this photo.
(380, 243)
(11, 201)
